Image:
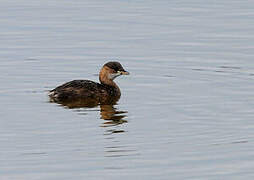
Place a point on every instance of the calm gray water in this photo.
(186, 111)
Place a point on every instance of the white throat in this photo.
(114, 75)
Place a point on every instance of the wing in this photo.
(76, 89)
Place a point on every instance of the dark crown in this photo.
(115, 65)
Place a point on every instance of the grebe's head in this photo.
(111, 70)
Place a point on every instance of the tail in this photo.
(53, 95)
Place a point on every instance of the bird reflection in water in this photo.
(112, 116)
(108, 112)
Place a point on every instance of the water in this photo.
(186, 110)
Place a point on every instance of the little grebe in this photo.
(92, 92)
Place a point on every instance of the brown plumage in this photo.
(87, 92)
